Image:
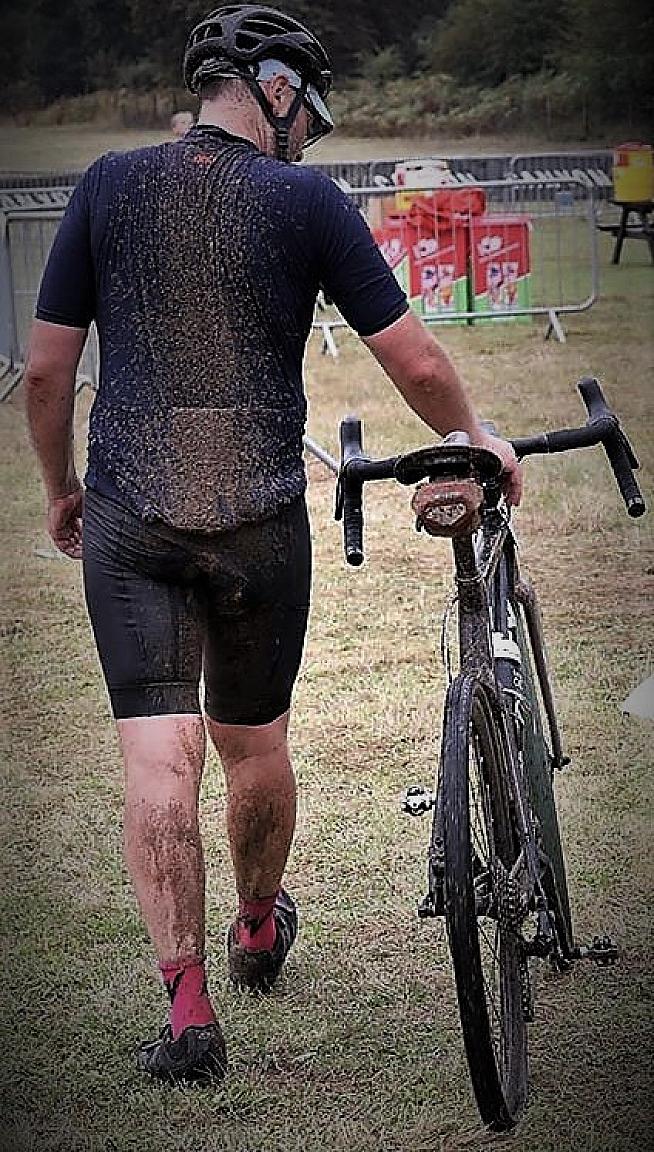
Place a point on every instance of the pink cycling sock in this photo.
(256, 924)
(190, 1006)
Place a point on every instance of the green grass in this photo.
(359, 1050)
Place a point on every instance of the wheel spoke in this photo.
(478, 830)
(479, 805)
(496, 1027)
(492, 948)
(493, 989)
(481, 828)
(481, 833)
(493, 968)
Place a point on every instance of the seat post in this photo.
(474, 640)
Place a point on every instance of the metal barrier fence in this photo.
(590, 166)
(34, 199)
(563, 275)
(29, 217)
(590, 169)
(23, 180)
(25, 240)
(464, 169)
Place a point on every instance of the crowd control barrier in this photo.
(26, 235)
(590, 165)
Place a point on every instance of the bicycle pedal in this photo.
(431, 906)
(602, 951)
(418, 800)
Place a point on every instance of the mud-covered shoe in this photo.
(198, 1055)
(258, 971)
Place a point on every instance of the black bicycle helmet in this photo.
(244, 34)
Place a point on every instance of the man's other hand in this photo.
(511, 468)
(65, 523)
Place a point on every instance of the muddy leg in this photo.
(164, 758)
(261, 799)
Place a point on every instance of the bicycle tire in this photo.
(474, 744)
(540, 784)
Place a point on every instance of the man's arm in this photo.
(354, 272)
(427, 379)
(49, 380)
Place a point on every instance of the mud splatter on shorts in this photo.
(169, 606)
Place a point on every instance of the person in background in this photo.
(200, 261)
(180, 122)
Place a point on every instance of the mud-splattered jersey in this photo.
(200, 262)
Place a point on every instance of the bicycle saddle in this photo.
(448, 461)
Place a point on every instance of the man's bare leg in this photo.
(261, 809)
(164, 759)
(261, 800)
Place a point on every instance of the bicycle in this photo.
(496, 870)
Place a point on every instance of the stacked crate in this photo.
(452, 256)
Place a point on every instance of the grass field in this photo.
(69, 147)
(359, 1049)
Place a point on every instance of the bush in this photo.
(548, 104)
(114, 108)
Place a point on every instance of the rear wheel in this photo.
(482, 905)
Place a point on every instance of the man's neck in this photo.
(237, 119)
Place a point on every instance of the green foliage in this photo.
(476, 64)
(425, 105)
(348, 28)
(382, 66)
(609, 46)
(487, 41)
(49, 50)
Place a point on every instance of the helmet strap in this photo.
(281, 124)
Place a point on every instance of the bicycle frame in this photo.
(485, 576)
(495, 539)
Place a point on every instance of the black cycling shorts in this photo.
(168, 606)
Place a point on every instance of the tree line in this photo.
(604, 48)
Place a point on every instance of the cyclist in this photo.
(199, 261)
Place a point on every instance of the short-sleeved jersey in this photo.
(200, 262)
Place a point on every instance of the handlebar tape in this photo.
(618, 449)
(352, 490)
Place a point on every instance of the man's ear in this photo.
(276, 89)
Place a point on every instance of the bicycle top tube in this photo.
(602, 427)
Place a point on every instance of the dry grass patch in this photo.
(359, 1050)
